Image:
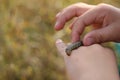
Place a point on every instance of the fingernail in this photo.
(56, 24)
(58, 14)
(59, 41)
(90, 41)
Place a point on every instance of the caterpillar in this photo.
(72, 47)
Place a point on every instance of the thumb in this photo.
(61, 46)
(101, 35)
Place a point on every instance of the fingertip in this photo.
(58, 41)
(60, 44)
(87, 41)
(58, 14)
(58, 25)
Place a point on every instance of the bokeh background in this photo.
(27, 39)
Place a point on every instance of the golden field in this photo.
(27, 38)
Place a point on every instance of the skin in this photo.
(104, 18)
(73, 46)
(89, 62)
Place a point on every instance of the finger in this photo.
(101, 35)
(76, 32)
(87, 19)
(61, 46)
(70, 12)
(58, 15)
(71, 25)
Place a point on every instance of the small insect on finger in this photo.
(73, 46)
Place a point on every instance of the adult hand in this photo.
(89, 62)
(103, 16)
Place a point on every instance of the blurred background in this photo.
(27, 39)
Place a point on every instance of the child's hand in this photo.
(89, 62)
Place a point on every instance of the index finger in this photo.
(68, 13)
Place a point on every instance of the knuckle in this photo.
(78, 4)
(103, 7)
(96, 36)
(102, 4)
(76, 24)
(99, 37)
(82, 4)
(57, 16)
